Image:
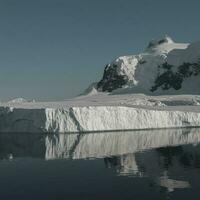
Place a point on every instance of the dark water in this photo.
(163, 164)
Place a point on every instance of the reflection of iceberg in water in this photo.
(125, 152)
(94, 145)
(21, 145)
(101, 145)
(161, 155)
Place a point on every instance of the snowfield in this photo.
(101, 112)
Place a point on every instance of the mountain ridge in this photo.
(147, 73)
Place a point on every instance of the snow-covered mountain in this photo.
(165, 67)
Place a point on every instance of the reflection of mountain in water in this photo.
(171, 184)
(169, 152)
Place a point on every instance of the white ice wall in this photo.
(93, 118)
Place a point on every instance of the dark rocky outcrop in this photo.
(171, 79)
(111, 79)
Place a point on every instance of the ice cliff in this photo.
(101, 113)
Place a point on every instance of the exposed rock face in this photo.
(112, 80)
(173, 78)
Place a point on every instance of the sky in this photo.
(54, 49)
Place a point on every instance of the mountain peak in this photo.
(164, 40)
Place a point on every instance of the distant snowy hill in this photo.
(20, 100)
(165, 67)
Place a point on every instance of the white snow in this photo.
(91, 90)
(20, 100)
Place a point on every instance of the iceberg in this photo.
(101, 113)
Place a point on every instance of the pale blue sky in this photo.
(53, 49)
